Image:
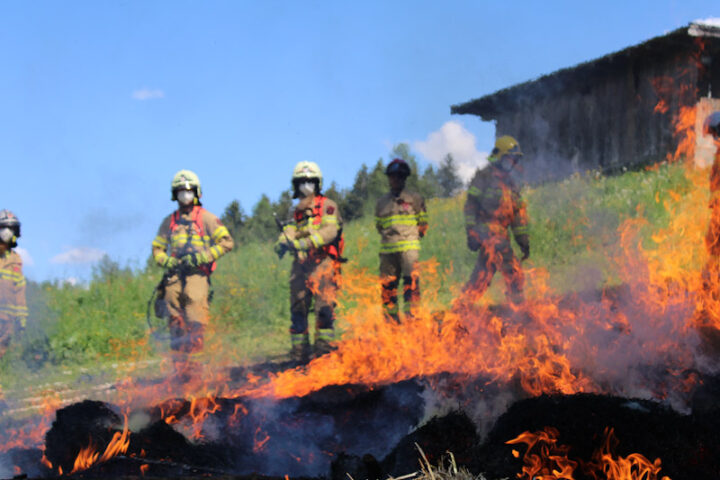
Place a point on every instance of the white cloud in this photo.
(78, 255)
(454, 139)
(148, 94)
(26, 257)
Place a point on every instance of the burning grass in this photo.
(572, 224)
(626, 329)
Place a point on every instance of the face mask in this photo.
(6, 235)
(507, 163)
(185, 197)
(306, 189)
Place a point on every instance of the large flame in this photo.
(639, 338)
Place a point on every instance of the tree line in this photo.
(359, 200)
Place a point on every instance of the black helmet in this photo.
(398, 167)
(712, 125)
(9, 220)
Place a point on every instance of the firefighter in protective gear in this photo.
(401, 220)
(492, 207)
(315, 237)
(188, 243)
(13, 308)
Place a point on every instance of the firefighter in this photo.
(187, 245)
(401, 220)
(710, 296)
(314, 236)
(494, 206)
(13, 308)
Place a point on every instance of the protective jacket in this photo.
(198, 230)
(493, 205)
(316, 233)
(317, 220)
(401, 220)
(12, 288)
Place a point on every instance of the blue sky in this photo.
(101, 102)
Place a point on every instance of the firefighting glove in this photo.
(196, 259)
(525, 249)
(422, 230)
(167, 261)
(281, 247)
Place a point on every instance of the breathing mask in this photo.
(6, 235)
(306, 188)
(185, 197)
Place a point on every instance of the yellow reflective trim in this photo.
(329, 219)
(12, 276)
(15, 311)
(220, 232)
(160, 242)
(404, 219)
(401, 246)
(316, 240)
(473, 191)
(216, 251)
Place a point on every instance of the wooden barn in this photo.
(616, 112)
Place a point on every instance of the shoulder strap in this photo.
(318, 209)
(197, 220)
(173, 220)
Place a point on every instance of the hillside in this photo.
(573, 226)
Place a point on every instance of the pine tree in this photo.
(336, 195)
(283, 207)
(261, 225)
(234, 219)
(353, 206)
(429, 185)
(378, 185)
(448, 177)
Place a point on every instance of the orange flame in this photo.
(89, 456)
(547, 459)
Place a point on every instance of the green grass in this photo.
(572, 224)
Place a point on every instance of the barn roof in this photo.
(509, 99)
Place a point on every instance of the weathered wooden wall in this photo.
(605, 118)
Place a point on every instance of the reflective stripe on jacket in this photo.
(182, 233)
(318, 219)
(12, 288)
(401, 220)
(494, 204)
